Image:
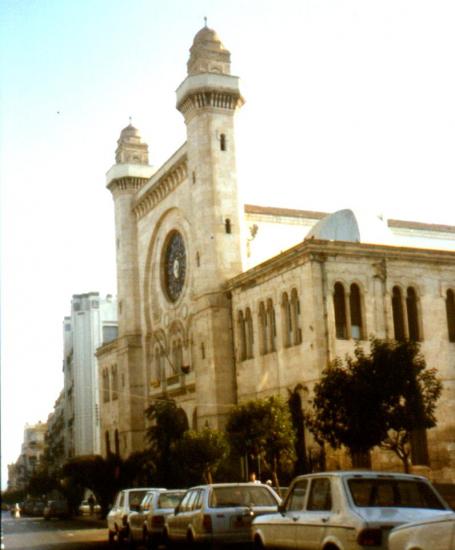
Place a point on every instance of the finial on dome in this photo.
(205, 21)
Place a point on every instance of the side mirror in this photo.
(177, 509)
(281, 508)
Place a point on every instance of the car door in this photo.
(311, 524)
(281, 530)
(179, 522)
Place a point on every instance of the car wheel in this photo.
(111, 537)
(258, 544)
(167, 541)
(130, 539)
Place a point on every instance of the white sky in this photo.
(348, 104)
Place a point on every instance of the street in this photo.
(38, 534)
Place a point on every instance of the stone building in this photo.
(32, 451)
(220, 302)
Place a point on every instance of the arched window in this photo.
(242, 334)
(287, 320)
(271, 326)
(355, 308)
(398, 314)
(413, 315)
(450, 309)
(107, 442)
(223, 142)
(295, 316)
(249, 333)
(263, 329)
(158, 374)
(339, 302)
(114, 377)
(177, 356)
(106, 389)
(117, 443)
(227, 225)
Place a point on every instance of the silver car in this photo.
(145, 525)
(219, 513)
(125, 502)
(436, 533)
(346, 510)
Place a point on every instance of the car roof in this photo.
(240, 484)
(363, 474)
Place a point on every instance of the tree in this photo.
(168, 424)
(262, 430)
(103, 476)
(200, 454)
(375, 400)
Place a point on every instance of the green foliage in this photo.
(101, 475)
(168, 424)
(374, 398)
(262, 429)
(200, 454)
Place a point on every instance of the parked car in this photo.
(136, 518)
(430, 534)
(125, 502)
(219, 513)
(160, 507)
(340, 510)
(85, 510)
(56, 509)
(36, 508)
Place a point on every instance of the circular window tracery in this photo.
(174, 265)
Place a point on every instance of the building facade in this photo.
(93, 321)
(221, 302)
(32, 452)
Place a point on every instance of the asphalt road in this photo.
(38, 534)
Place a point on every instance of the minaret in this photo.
(130, 172)
(208, 99)
(124, 179)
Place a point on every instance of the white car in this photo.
(125, 502)
(348, 510)
(145, 526)
(219, 513)
(436, 533)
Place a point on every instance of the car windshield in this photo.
(393, 493)
(169, 500)
(225, 497)
(136, 497)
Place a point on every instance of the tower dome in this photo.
(130, 148)
(208, 55)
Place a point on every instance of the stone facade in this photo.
(217, 302)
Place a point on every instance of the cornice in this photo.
(165, 184)
(126, 184)
(321, 251)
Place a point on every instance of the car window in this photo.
(247, 495)
(184, 504)
(136, 497)
(320, 497)
(296, 498)
(121, 499)
(197, 504)
(169, 500)
(373, 492)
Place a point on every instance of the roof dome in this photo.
(359, 227)
(130, 131)
(207, 54)
(206, 35)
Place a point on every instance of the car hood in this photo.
(396, 516)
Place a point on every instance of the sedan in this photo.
(219, 513)
(346, 510)
(146, 524)
(434, 533)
